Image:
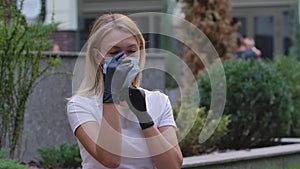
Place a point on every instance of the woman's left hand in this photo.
(137, 103)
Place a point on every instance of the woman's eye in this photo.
(113, 53)
(131, 51)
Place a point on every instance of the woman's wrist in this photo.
(146, 125)
(145, 120)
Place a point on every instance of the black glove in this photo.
(115, 82)
(137, 103)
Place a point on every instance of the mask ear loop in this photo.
(102, 58)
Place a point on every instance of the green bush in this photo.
(170, 82)
(21, 55)
(190, 143)
(289, 68)
(3, 152)
(295, 167)
(11, 164)
(288, 167)
(257, 100)
(65, 156)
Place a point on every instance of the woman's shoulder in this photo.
(82, 98)
(83, 101)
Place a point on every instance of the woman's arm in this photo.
(103, 142)
(162, 143)
(163, 146)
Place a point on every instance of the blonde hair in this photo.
(93, 82)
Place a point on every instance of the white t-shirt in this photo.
(135, 154)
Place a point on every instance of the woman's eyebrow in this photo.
(133, 45)
(114, 47)
(130, 46)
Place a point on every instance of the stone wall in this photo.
(46, 123)
(275, 157)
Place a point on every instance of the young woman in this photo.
(117, 123)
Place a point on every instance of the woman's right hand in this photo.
(115, 82)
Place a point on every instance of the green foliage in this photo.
(170, 82)
(21, 54)
(190, 144)
(289, 68)
(66, 155)
(11, 164)
(293, 166)
(3, 152)
(258, 101)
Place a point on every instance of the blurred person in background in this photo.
(250, 45)
(246, 49)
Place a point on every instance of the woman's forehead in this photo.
(118, 38)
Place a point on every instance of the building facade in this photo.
(269, 22)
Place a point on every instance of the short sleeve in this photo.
(167, 117)
(79, 111)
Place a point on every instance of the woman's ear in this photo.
(96, 55)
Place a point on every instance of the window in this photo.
(264, 35)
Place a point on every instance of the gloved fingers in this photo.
(120, 80)
(124, 60)
(117, 61)
(127, 59)
(117, 56)
(124, 94)
(136, 94)
(137, 99)
(125, 66)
